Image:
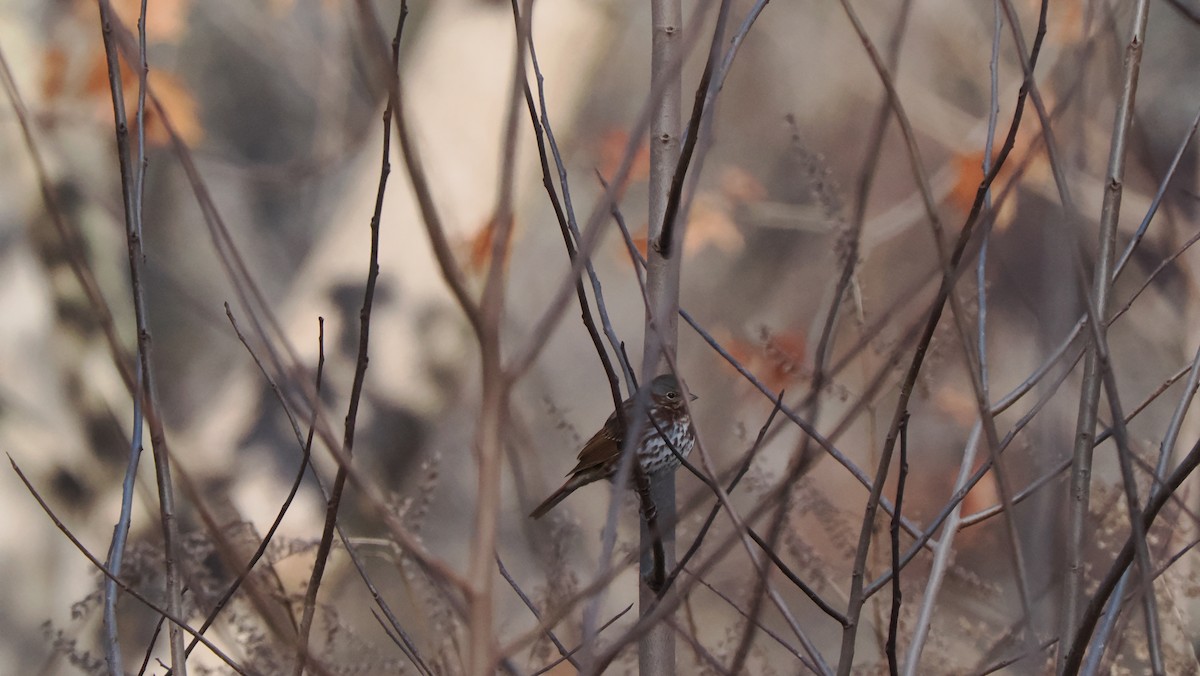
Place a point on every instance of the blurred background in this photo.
(277, 105)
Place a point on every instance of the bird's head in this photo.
(666, 391)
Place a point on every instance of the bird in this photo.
(599, 457)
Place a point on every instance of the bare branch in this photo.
(562, 649)
(360, 373)
(132, 178)
(99, 565)
(1091, 615)
(894, 529)
(1097, 370)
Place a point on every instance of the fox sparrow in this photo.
(602, 453)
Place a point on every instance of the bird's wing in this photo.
(604, 446)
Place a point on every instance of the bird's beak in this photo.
(692, 397)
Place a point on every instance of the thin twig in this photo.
(853, 237)
(402, 639)
(495, 384)
(591, 231)
(958, 315)
(664, 242)
(1000, 664)
(945, 544)
(1098, 372)
(131, 177)
(941, 561)
(571, 222)
(149, 652)
(570, 653)
(906, 388)
(541, 130)
(774, 557)
(765, 629)
(894, 529)
(562, 649)
(306, 453)
(1159, 497)
(116, 549)
(451, 272)
(360, 373)
(68, 233)
(99, 565)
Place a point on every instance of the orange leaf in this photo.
(957, 404)
(744, 352)
(968, 172)
(96, 82)
(479, 248)
(54, 73)
(176, 100)
(777, 359)
(785, 354)
(739, 185)
(612, 150)
(711, 225)
(982, 495)
(165, 19)
(642, 241)
(281, 8)
(181, 110)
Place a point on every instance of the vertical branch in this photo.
(360, 374)
(543, 134)
(656, 577)
(664, 241)
(941, 558)
(571, 222)
(430, 218)
(1081, 464)
(656, 649)
(853, 238)
(591, 232)
(490, 431)
(946, 542)
(662, 273)
(116, 549)
(1076, 643)
(69, 234)
(951, 271)
(894, 620)
(132, 179)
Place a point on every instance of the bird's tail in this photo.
(555, 498)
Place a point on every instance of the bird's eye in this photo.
(672, 395)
